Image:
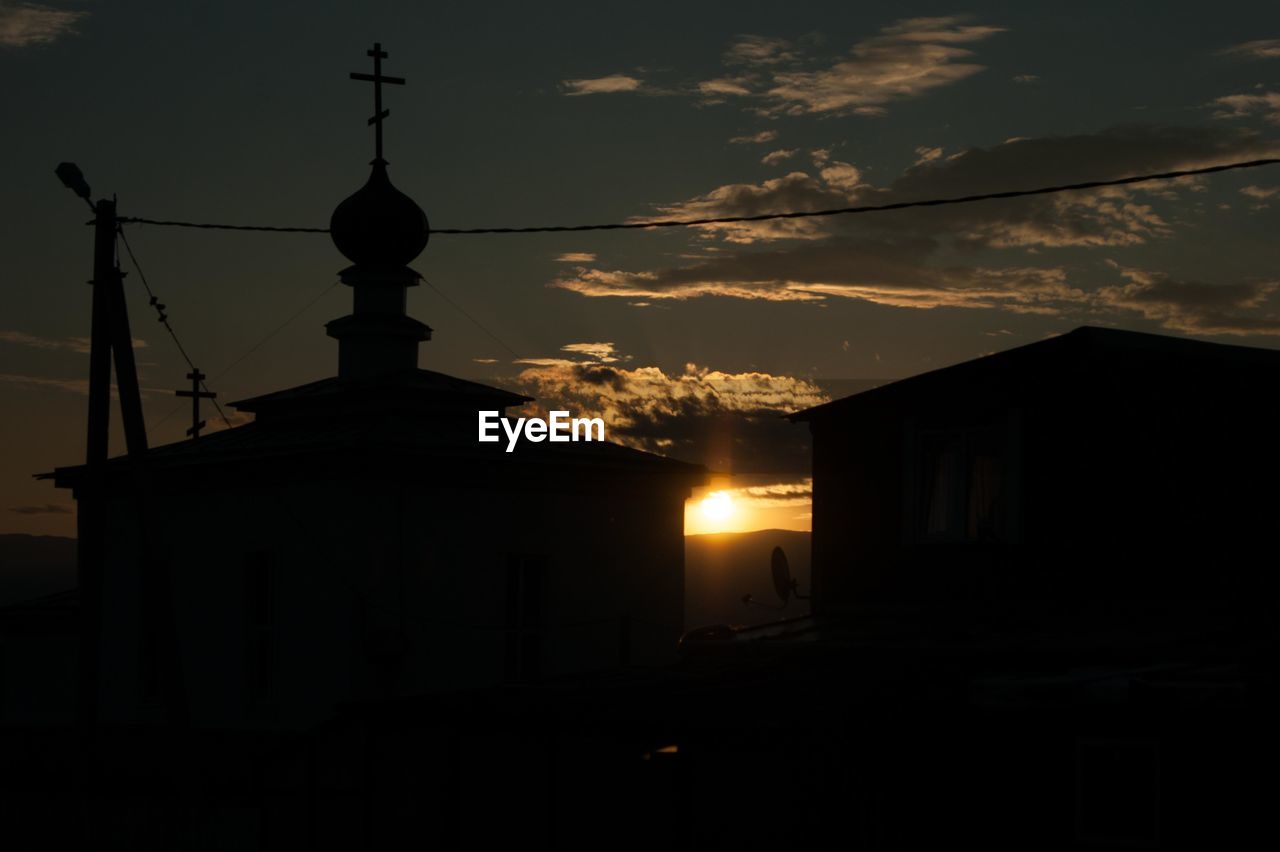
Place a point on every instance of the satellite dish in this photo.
(782, 582)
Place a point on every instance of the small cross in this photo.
(197, 378)
(378, 79)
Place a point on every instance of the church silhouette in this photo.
(349, 624)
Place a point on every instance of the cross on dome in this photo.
(377, 78)
(379, 226)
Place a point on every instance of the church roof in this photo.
(419, 416)
(425, 386)
(401, 440)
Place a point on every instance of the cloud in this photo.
(842, 177)
(1115, 216)
(22, 338)
(731, 422)
(927, 155)
(1105, 217)
(72, 344)
(759, 50)
(600, 352)
(576, 257)
(1265, 105)
(958, 256)
(77, 386)
(45, 509)
(1197, 307)
(80, 386)
(755, 138)
(774, 157)
(793, 191)
(896, 277)
(776, 494)
(611, 84)
(906, 59)
(725, 86)
(26, 24)
(1264, 48)
(1259, 192)
(878, 271)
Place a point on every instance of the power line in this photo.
(281, 327)
(164, 320)
(134, 220)
(255, 347)
(475, 321)
(763, 217)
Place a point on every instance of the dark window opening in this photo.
(526, 602)
(151, 650)
(961, 485)
(260, 627)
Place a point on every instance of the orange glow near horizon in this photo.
(717, 510)
(721, 508)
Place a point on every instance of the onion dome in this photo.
(379, 226)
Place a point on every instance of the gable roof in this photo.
(425, 387)
(418, 415)
(1088, 350)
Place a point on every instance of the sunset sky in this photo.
(689, 342)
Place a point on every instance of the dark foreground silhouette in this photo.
(1042, 612)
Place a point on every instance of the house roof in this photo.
(1101, 354)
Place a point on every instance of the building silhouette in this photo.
(1099, 465)
(1029, 661)
(355, 540)
(1043, 616)
(354, 543)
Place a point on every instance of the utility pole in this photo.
(109, 335)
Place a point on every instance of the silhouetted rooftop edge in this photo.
(400, 439)
(1057, 352)
(418, 380)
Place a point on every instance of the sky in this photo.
(690, 342)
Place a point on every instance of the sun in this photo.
(717, 507)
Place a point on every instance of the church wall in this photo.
(308, 645)
(380, 586)
(121, 615)
(613, 580)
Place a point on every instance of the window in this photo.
(960, 488)
(940, 485)
(526, 601)
(984, 519)
(152, 652)
(260, 627)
